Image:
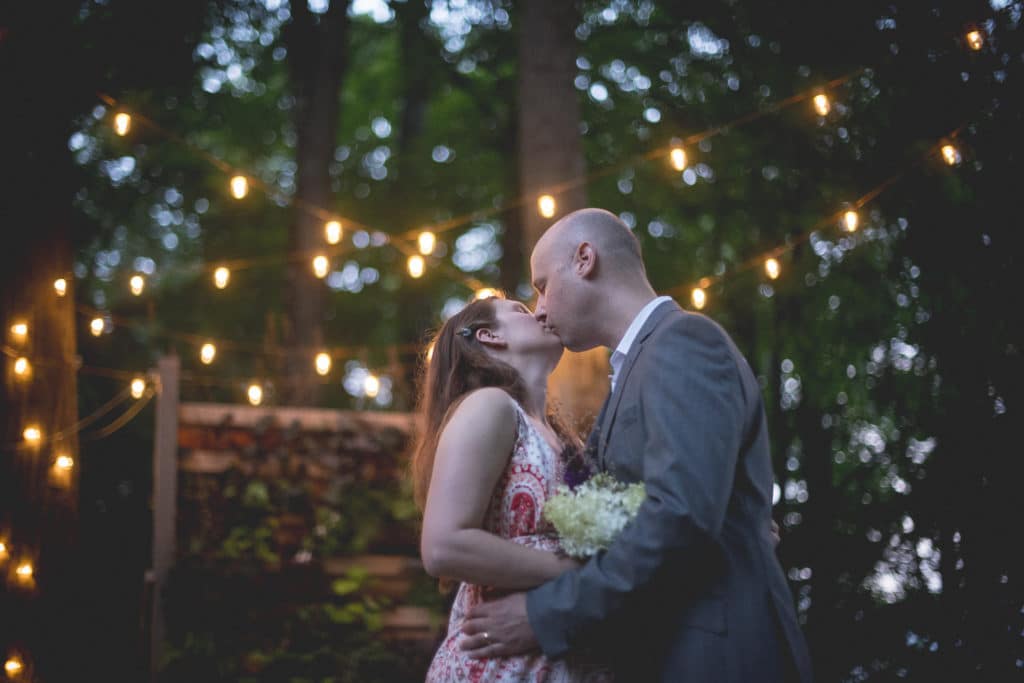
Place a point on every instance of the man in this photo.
(691, 590)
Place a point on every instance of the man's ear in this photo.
(491, 339)
(584, 261)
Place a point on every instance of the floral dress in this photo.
(533, 473)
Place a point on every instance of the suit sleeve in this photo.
(691, 412)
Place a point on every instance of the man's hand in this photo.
(499, 628)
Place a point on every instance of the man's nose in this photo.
(540, 313)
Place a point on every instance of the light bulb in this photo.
(64, 462)
(239, 187)
(33, 434)
(221, 276)
(850, 220)
(371, 386)
(138, 283)
(323, 363)
(546, 205)
(13, 667)
(699, 298)
(975, 39)
(426, 242)
(321, 266)
(678, 158)
(19, 331)
(24, 571)
(207, 353)
(255, 394)
(60, 285)
(332, 232)
(138, 387)
(96, 326)
(950, 154)
(485, 293)
(771, 266)
(3, 550)
(416, 266)
(122, 124)
(22, 368)
(822, 105)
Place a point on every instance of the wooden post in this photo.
(165, 495)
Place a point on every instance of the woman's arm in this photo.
(472, 453)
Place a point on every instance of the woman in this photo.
(488, 459)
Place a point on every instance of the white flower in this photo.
(590, 517)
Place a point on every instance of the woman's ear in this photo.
(490, 338)
(584, 260)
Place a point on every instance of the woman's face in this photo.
(521, 331)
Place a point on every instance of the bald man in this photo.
(691, 590)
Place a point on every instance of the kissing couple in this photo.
(691, 589)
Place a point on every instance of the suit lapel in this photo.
(612, 405)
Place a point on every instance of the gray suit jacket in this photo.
(692, 589)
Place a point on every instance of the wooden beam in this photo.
(309, 419)
(165, 498)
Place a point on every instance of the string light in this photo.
(33, 434)
(122, 124)
(64, 462)
(22, 368)
(546, 205)
(255, 394)
(13, 667)
(19, 331)
(138, 387)
(371, 386)
(822, 105)
(323, 363)
(426, 242)
(24, 572)
(678, 158)
(975, 39)
(950, 154)
(60, 285)
(96, 326)
(699, 298)
(239, 187)
(138, 283)
(321, 266)
(850, 220)
(221, 276)
(207, 353)
(416, 266)
(772, 268)
(3, 551)
(332, 232)
(486, 293)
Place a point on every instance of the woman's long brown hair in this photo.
(459, 365)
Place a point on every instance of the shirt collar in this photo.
(622, 350)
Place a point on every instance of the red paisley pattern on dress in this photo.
(533, 474)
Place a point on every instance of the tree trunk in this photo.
(317, 60)
(551, 155)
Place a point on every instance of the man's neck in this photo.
(623, 309)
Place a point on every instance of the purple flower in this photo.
(577, 467)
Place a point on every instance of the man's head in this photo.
(582, 268)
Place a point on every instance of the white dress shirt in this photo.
(622, 350)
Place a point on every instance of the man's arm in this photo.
(691, 410)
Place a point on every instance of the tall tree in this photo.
(317, 46)
(551, 162)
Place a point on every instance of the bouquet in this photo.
(589, 516)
